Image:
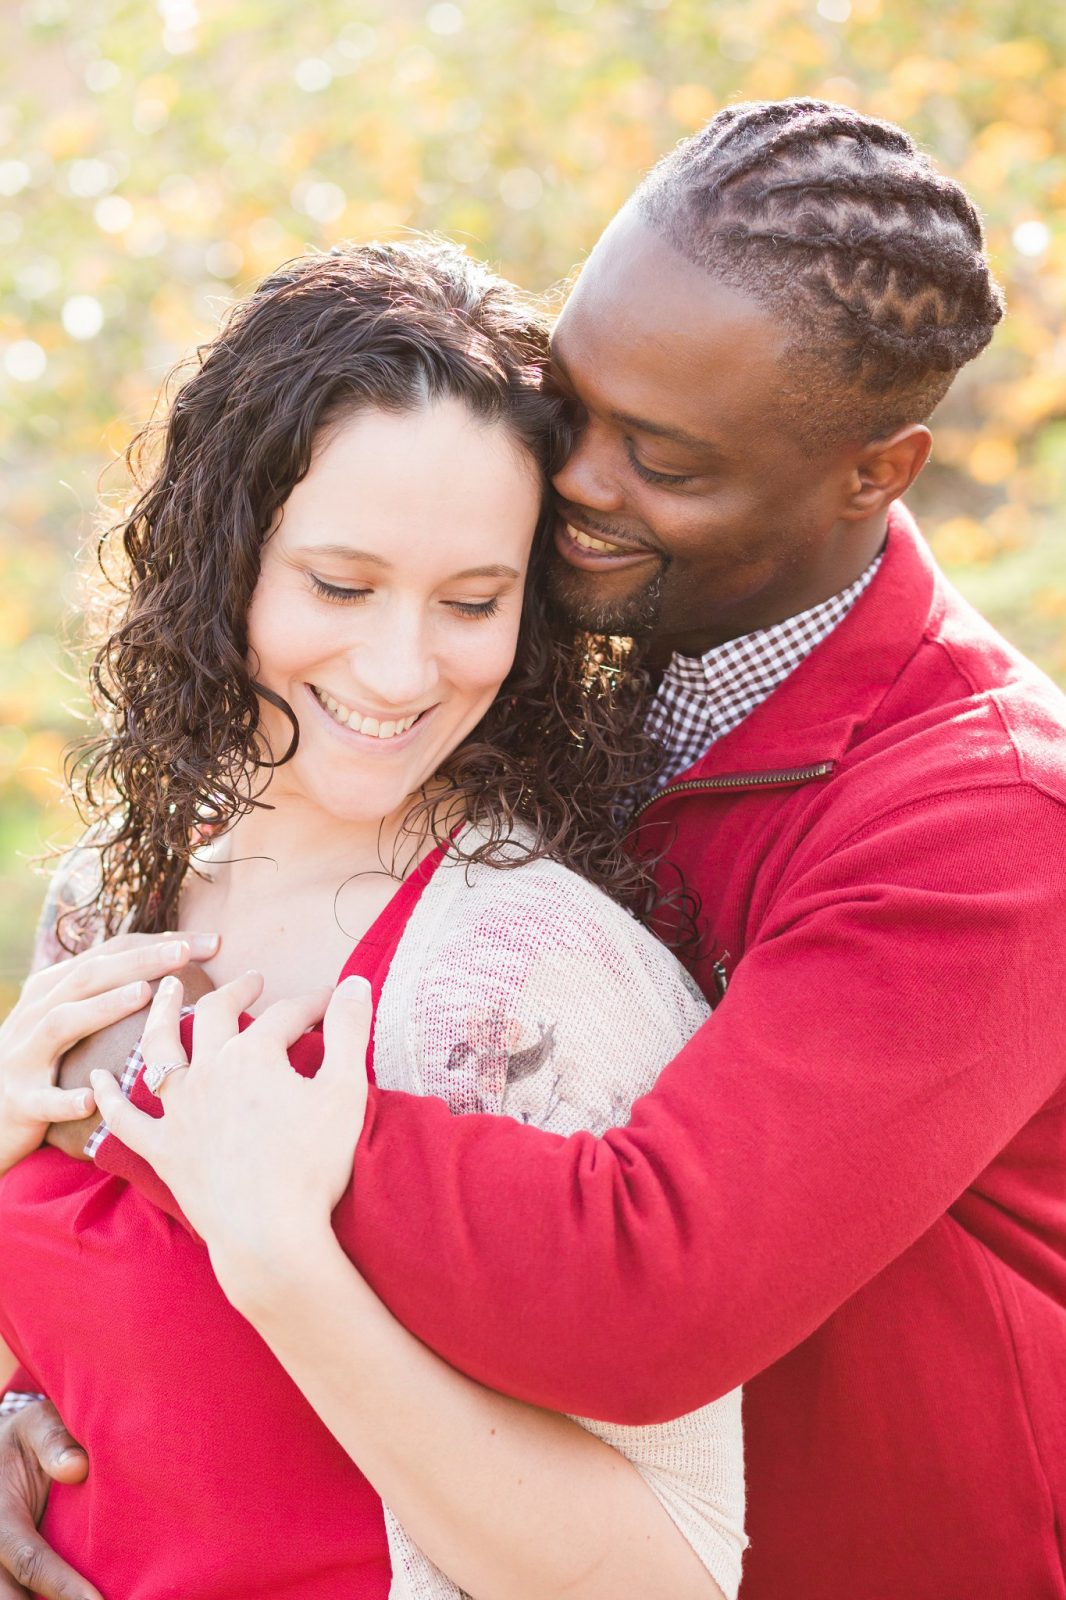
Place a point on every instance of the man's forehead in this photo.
(689, 356)
(639, 301)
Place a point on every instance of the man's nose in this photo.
(589, 476)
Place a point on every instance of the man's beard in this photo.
(634, 616)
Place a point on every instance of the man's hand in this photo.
(35, 1451)
(108, 1051)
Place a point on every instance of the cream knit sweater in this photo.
(527, 992)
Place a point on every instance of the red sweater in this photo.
(849, 1190)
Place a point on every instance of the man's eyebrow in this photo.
(660, 430)
(345, 552)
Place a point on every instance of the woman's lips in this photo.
(367, 741)
(593, 554)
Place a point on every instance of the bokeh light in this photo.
(156, 159)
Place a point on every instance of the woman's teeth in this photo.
(360, 724)
(587, 542)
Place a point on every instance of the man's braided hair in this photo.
(838, 224)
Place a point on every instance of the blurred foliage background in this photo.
(156, 158)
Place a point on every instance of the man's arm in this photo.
(901, 1014)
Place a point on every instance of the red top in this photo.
(209, 1472)
(853, 1181)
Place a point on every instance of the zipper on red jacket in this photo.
(781, 778)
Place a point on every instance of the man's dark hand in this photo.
(35, 1451)
(108, 1050)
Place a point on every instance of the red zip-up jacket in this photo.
(849, 1190)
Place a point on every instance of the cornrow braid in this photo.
(835, 221)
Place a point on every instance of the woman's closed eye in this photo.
(475, 608)
(338, 594)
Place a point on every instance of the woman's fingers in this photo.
(109, 968)
(346, 1030)
(161, 1044)
(218, 1015)
(56, 1105)
(284, 1021)
(142, 1134)
(63, 1024)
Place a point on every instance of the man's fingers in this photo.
(218, 1014)
(140, 1133)
(346, 1031)
(42, 1433)
(36, 1569)
(10, 1590)
(284, 1021)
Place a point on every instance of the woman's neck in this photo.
(291, 890)
(296, 839)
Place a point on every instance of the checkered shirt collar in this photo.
(702, 698)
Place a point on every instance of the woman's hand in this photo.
(256, 1155)
(62, 1004)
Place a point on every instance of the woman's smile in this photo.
(385, 731)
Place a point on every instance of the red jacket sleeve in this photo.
(898, 1016)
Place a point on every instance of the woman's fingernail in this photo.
(354, 988)
(202, 944)
(177, 951)
(135, 991)
(169, 986)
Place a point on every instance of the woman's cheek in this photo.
(495, 657)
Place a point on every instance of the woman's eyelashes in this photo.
(334, 592)
(339, 595)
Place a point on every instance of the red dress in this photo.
(209, 1472)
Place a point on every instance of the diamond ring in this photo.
(153, 1076)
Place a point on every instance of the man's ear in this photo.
(885, 468)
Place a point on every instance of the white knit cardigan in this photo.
(526, 991)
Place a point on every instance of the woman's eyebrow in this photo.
(345, 552)
(495, 571)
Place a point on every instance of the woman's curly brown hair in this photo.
(392, 327)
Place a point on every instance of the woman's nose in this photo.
(395, 667)
(589, 476)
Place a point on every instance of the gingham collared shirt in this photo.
(702, 698)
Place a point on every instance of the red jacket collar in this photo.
(813, 716)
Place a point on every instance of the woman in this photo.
(343, 735)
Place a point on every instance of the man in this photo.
(847, 1192)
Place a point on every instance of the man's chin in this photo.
(584, 600)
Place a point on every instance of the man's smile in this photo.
(594, 554)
